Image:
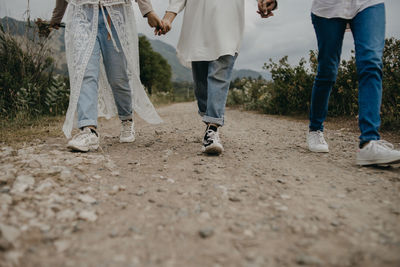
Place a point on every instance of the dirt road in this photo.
(266, 201)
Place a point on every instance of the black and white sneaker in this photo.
(211, 142)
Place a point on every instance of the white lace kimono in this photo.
(80, 36)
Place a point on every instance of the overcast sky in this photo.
(289, 32)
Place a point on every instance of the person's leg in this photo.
(88, 138)
(87, 102)
(200, 74)
(368, 29)
(329, 34)
(218, 81)
(116, 67)
(218, 77)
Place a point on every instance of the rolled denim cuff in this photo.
(314, 129)
(127, 117)
(218, 121)
(202, 113)
(86, 123)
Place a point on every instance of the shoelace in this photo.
(212, 135)
(81, 135)
(385, 144)
(126, 127)
(321, 139)
(318, 137)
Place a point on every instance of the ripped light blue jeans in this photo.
(116, 70)
(211, 85)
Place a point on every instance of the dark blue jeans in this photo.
(368, 28)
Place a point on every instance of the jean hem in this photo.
(367, 139)
(218, 121)
(127, 117)
(85, 123)
(314, 129)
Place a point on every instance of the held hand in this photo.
(167, 22)
(265, 8)
(167, 26)
(54, 26)
(45, 28)
(265, 15)
(153, 20)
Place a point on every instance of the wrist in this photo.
(150, 13)
(169, 16)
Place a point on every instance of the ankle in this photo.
(212, 126)
(363, 144)
(92, 128)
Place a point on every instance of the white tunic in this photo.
(346, 9)
(210, 29)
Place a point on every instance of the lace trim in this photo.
(80, 36)
(125, 26)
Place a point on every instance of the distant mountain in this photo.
(179, 72)
(13, 26)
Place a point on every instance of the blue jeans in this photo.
(211, 86)
(116, 70)
(368, 28)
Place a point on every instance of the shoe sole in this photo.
(83, 149)
(213, 149)
(378, 162)
(319, 151)
(131, 140)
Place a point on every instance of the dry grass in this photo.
(18, 132)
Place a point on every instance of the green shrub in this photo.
(180, 92)
(28, 86)
(391, 85)
(251, 93)
(291, 88)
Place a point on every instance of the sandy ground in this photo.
(266, 201)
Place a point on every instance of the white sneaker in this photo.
(211, 143)
(127, 134)
(378, 152)
(316, 142)
(84, 141)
